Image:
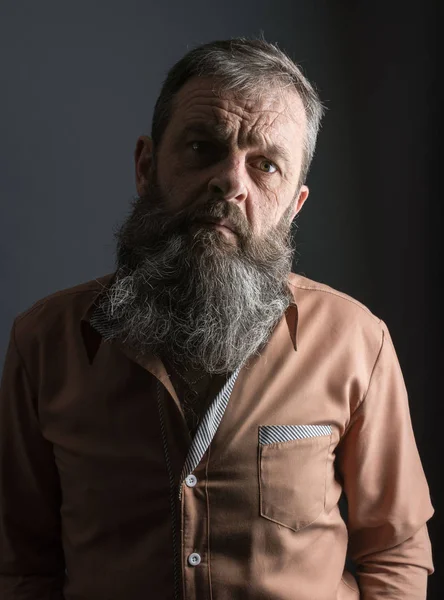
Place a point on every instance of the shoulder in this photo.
(58, 311)
(308, 291)
(334, 314)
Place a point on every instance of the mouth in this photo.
(222, 225)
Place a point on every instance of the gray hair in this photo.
(249, 68)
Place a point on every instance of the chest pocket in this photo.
(292, 467)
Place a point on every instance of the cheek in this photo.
(261, 216)
(270, 205)
(178, 186)
(265, 212)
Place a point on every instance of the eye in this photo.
(203, 152)
(200, 146)
(269, 166)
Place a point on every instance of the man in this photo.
(184, 427)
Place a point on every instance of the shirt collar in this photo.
(292, 317)
(92, 338)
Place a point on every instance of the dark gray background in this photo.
(78, 85)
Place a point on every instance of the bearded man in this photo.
(185, 427)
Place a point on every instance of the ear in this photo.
(143, 158)
(302, 197)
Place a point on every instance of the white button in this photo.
(191, 480)
(194, 559)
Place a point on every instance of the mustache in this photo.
(212, 210)
(220, 210)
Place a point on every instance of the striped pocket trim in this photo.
(272, 434)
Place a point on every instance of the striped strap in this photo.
(208, 426)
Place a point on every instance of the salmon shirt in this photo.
(104, 494)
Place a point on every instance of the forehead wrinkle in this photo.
(253, 130)
(257, 136)
(250, 139)
(223, 132)
(229, 118)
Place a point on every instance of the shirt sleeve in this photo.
(387, 493)
(31, 555)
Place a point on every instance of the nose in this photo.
(229, 182)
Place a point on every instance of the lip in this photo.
(224, 224)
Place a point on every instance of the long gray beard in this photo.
(195, 297)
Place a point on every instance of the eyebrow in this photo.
(221, 134)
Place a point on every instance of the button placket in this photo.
(194, 535)
(194, 518)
